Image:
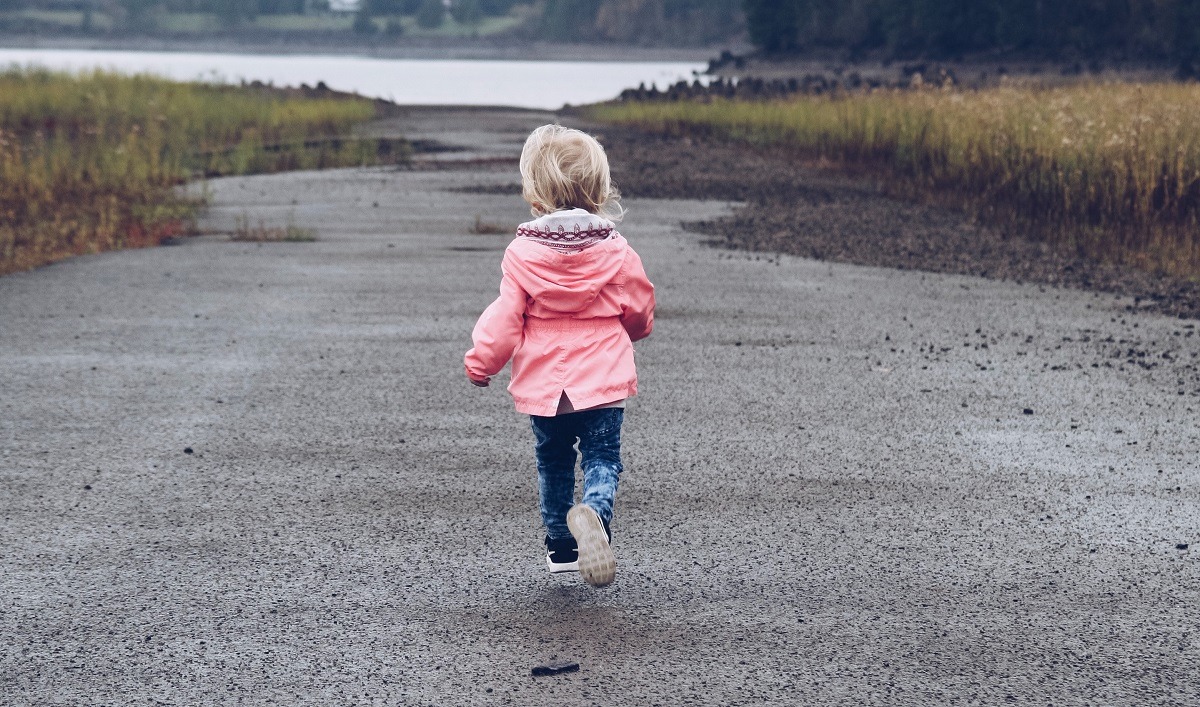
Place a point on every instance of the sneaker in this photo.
(597, 565)
(561, 555)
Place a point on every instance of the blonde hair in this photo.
(564, 168)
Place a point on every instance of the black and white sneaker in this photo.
(597, 564)
(562, 555)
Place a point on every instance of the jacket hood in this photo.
(566, 281)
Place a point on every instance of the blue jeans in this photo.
(599, 435)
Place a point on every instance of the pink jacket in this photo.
(568, 321)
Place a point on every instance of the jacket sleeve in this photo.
(498, 331)
(637, 311)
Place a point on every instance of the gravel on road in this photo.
(255, 474)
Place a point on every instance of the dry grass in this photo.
(245, 231)
(89, 162)
(1111, 171)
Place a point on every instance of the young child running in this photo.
(573, 299)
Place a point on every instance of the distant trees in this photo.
(142, 14)
(496, 8)
(243, 8)
(234, 12)
(363, 24)
(946, 28)
(431, 14)
(463, 11)
(566, 20)
(384, 8)
(466, 12)
(1186, 41)
(138, 14)
(281, 7)
(773, 26)
(641, 21)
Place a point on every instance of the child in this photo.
(573, 299)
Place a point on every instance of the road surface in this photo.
(242, 473)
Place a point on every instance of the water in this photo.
(530, 84)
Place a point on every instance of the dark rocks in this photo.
(188, 450)
(812, 84)
(1028, 411)
(1181, 546)
(556, 667)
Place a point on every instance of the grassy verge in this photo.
(1108, 171)
(91, 162)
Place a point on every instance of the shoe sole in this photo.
(597, 564)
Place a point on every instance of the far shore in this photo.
(480, 50)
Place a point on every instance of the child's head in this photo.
(562, 168)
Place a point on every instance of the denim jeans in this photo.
(599, 435)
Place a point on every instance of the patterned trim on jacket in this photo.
(566, 239)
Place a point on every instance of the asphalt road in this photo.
(240, 473)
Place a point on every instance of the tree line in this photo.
(649, 22)
(645, 22)
(253, 8)
(1072, 29)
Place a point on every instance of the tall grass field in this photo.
(91, 162)
(1110, 171)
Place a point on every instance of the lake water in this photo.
(531, 84)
